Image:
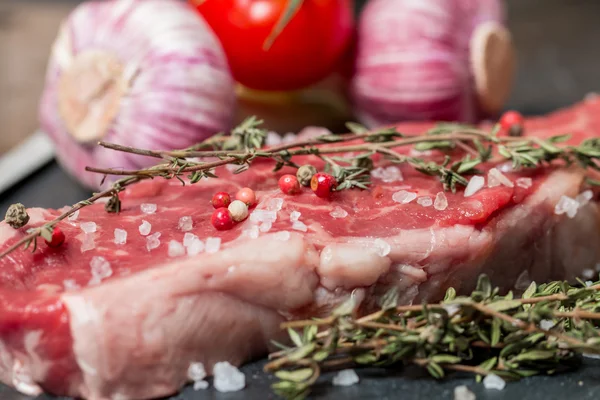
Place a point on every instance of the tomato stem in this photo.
(292, 8)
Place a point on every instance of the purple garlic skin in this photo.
(141, 73)
(449, 60)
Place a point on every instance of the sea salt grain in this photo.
(265, 227)
(120, 236)
(228, 378)
(100, 269)
(338, 212)
(493, 381)
(195, 247)
(588, 273)
(73, 217)
(524, 183)
(88, 227)
(188, 239)
(212, 245)
(299, 226)
(295, 216)
(584, 198)
(185, 224)
(346, 377)
(200, 385)
(404, 197)
(451, 309)
(566, 205)
(196, 371)
(274, 204)
(88, 243)
(497, 178)
(475, 185)
(153, 241)
(176, 249)
(546, 324)
(388, 175)
(145, 228)
(425, 201)
(148, 208)
(263, 216)
(282, 236)
(441, 202)
(463, 393)
(383, 248)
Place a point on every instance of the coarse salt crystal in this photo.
(346, 377)
(265, 227)
(524, 183)
(404, 197)
(176, 249)
(274, 204)
(88, 227)
(70, 284)
(289, 137)
(185, 224)
(212, 245)
(566, 205)
(153, 241)
(451, 309)
(196, 371)
(425, 201)
(228, 378)
(263, 216)
(383, 248)
(497, 178)
(493, 381)
(299, 226)
(584, 198)
(506, 167)
(588, 283)
(120, 236)
(388, 175)
(200, 385)
(338, 212)
(588, 273)
(463, 393)
(295, 216)
(100, 269)
(145, 228)
(88, 243)
(189, 238)
(74, 216)
(546, 324)
(441, 201)
(148, 208)
(476, 183)
(282, 235)
(195, 247)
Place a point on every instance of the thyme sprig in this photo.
(513, 337)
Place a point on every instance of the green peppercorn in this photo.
(16, 216)
(305, 174)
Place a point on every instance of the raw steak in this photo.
(129, 324)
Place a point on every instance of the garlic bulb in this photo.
(431, 60)
(143, 73)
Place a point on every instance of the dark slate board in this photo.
(50, 187)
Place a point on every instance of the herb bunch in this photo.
(540, 332)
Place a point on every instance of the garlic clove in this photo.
(493, 62)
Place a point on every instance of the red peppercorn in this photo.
(289, 184)
(511, 123)
(322, 184)
(58, 238)
(221, 219)
(246, 195)
(221, 199)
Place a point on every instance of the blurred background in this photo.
(555, 41)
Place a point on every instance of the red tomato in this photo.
(307, 50)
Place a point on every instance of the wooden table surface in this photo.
(559, 59)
